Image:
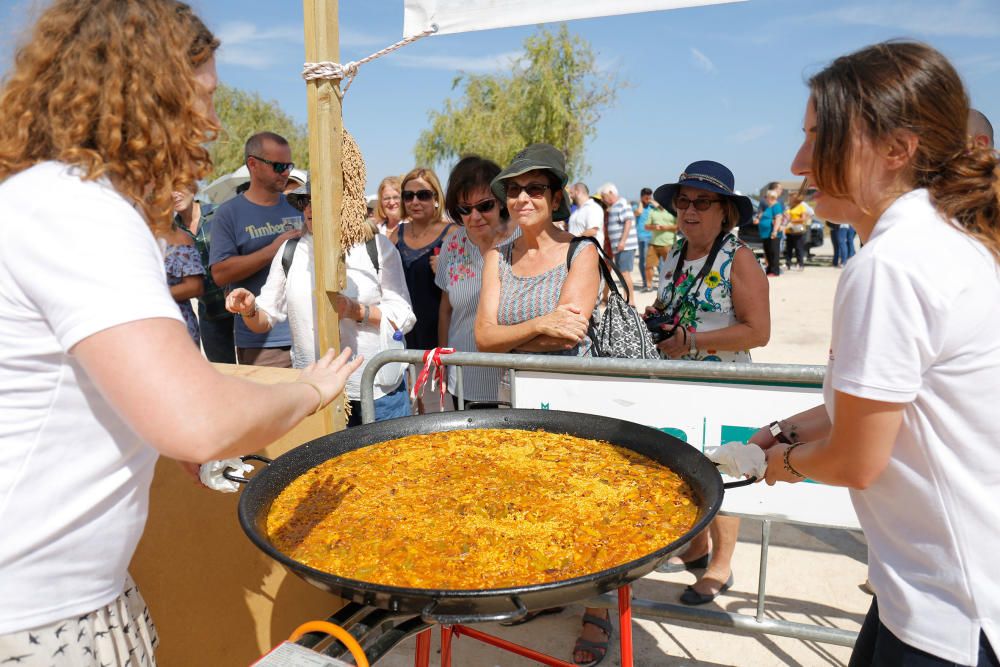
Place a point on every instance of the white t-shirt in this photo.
(916, 321)
(292, 298)
(75, 259)
(588, 216)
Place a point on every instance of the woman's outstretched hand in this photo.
(329, 374)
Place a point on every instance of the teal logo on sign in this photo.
(545, 406)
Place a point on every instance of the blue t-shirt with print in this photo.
(767, 218)
(240, 228)
(643, 234)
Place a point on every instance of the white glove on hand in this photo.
(738, 460)
(211, 474)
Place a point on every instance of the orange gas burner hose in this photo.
(335, 631)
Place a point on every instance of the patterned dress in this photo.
(182, 261)
(705, 306)
(460, 274)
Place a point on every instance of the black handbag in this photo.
(620, 332)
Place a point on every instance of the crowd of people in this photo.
(99, 359)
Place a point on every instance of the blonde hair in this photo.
(429, 176)
(388, 181)
(108, 86)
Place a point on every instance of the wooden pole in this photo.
(322, 37)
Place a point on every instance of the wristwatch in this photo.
(775, 429)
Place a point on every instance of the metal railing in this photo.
(787, 374)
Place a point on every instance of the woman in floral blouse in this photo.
(482, 224)
(185, 274)
(716, 298)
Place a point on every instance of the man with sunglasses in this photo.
(247, 233)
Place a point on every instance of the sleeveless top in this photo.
(424, 294)
(707, 306)
(523, 299)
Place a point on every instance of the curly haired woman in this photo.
(105, 114)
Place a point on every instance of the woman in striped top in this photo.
(483, 223)
(537, 299)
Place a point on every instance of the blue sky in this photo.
(723, 82)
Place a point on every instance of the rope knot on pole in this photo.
(330, 71)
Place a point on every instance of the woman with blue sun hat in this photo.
(714, 296)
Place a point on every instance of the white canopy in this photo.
(452, 16)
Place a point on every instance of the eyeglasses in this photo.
(386, 200)
(534, 190)
(484, 206)
(279, 167)
(300, 202)
(700, 204)
(422, 195)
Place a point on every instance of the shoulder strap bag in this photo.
(620, 332)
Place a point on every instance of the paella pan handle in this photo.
(249, 457)
(430, 615)
(735, 485)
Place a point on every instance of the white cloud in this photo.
(703, 61)
(980, 64)
(959, 18)
(248, 45)
(751, 134)
(239, 33)
(455, 63)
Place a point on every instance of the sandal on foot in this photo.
(692, 597)
(531, 615)
(696, 564)
(598, 650)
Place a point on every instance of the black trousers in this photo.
(796, 243)
(772, 250)
(878, 647)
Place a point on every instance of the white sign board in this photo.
(704, 414)
(467, 15)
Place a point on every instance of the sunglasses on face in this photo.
(534, 190)
(484, 206)
(300, 202)
(422, 195)
(279, 167)
(700, 204)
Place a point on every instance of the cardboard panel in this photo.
(215, 598)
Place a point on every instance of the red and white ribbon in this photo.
(435, 370)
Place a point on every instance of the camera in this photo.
(654, 323)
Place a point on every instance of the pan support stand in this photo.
(450, 633)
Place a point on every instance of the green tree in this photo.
(555, 93)
(243, 114)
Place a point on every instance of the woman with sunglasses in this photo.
(715, 297)
(913, 382)
(389, 207)
(538, 295)
(483, 223)
(419, 244)
(373, 306)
